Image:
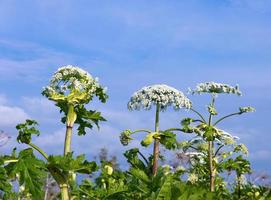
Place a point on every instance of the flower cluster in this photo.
(158, 94)
(215, 88)
(193, 178)
(73, 84)
(246, 109)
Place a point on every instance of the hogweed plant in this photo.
(71, 88)
(210, 139)
(208, 156)
(160, 96)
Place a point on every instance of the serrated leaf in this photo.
(31, 172)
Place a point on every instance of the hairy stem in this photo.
(156, 142)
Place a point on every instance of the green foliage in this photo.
(210, 153)
(186, 125)
(29, 171)
(238, 164)
(61, 166)
(5, 185)
(26, 130)
(168, 140)
(85, 118)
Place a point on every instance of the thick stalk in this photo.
(71, 117)
(210, 154)
(67, 146)
(156, 142)
(64, 192)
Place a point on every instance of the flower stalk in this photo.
(156, 142)
(211, 151)
(64, 192)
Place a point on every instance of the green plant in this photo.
(161, 96)
(210, 140)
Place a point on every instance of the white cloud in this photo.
(41, 109)
(51, 142)
(10, 116)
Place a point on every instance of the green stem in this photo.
(67, 145)
(210, 153)
(218, 149)
(144, 158)
(39, 150)
(141, 130)
(230, 115)
(64, 192)
(10, 161)
(71, 117)
(156, 142)
(200, 115)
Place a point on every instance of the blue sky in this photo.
(130, 44)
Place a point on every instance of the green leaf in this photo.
(5, 185)
(165, 190)
(30, 171)
(87, 118)
(168, 139)
(140, 174)
(186, 125)
(26, 130)
(61, 166)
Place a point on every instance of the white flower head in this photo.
(216, 88)
(73, 84)
(193, 178)
(158, 94)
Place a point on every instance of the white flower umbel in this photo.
(216, 88)
(158, 94)
(161, 96)
(73, 85)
